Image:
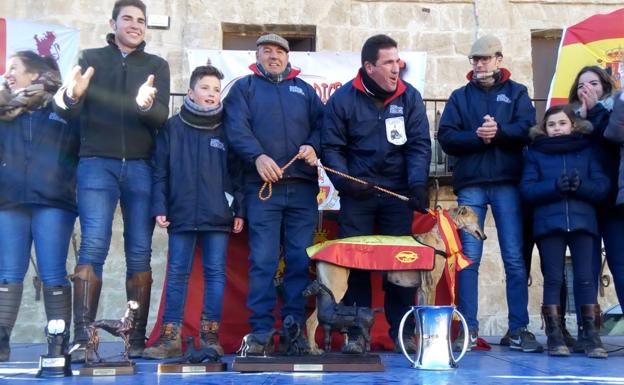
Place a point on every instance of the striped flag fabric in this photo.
(597, 40)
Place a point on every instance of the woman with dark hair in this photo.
(38, 158)
(591, 95)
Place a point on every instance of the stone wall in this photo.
(444, 28)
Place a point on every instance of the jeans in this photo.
(293, 211)
(392, 217)
(49, 228)
(552, 248)
(504, 199)
(611, 227)
(181, 254)
(101, 183)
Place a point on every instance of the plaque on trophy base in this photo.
(330, 362)
(54, 366)
(108, 369)
(193, 368)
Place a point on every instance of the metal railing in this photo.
(441, 167)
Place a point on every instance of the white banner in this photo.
(61, 43)
(325, 71)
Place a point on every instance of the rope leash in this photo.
(268, 185)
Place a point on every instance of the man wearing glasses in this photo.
(485, 126)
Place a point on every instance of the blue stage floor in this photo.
(498, 366)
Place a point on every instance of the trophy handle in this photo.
(412, 309)
(466, 338)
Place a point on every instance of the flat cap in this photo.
(273, 38)
(487, 45)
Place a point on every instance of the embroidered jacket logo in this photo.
(297, 90)
(396, 109)
(503, 98)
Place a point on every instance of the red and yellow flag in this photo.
(598, 40)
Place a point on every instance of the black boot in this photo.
(87, 288)
(591, 331)
(556, 342)
(138, 288)
(10, 299)
(57, 301)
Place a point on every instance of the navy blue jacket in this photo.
(476, 162)
(355, 141)
(192, 175)
(39, 156)
(607, 151)
(544, 161)
(275, 119)
(615, 133)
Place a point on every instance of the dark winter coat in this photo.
(39, 156)
(476, 162)
(615, 133)
(553, 211)
(356, 138)
(275, 119)
(194, 173)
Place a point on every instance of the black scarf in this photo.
(560, 144)
(373, 89)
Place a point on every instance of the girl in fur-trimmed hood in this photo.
(563, 181)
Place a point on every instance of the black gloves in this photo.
(355, 189)
(419, 199)
(563, 183)
(568, 182)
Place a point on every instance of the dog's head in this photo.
(133, 305)
(466, 219)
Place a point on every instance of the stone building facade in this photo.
(445, 29)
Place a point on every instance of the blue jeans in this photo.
(181, 254)
(293, 211)
(611, 227)
(391, 217)
(101, 183)
(49, 228)
(504, 200)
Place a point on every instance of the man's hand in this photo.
(268, 170)
(307, 153)
(237, 227)
(147, 94)
(77, 83)
(162, 221)
(488, 129)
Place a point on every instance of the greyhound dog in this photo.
(118, 328)
(336, 277)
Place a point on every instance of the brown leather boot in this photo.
(556, 345)
(168, 345)
(10, 299)
(138, 288)
(87, 288)
(209, 336)
(590, 314)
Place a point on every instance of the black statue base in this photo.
(192, 368)
(330, 362)
(111, 368)
(54, 366)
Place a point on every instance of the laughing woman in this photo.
(38, 158)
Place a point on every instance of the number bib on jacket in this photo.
(395, 131)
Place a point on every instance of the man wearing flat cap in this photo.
(485, 126)
(270, 117)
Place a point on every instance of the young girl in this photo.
(562, 181)
(196, 196)
(39, 156)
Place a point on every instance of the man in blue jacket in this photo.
(485, 126)
(376, 129)
(270, 117)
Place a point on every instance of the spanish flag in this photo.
(598, 40)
